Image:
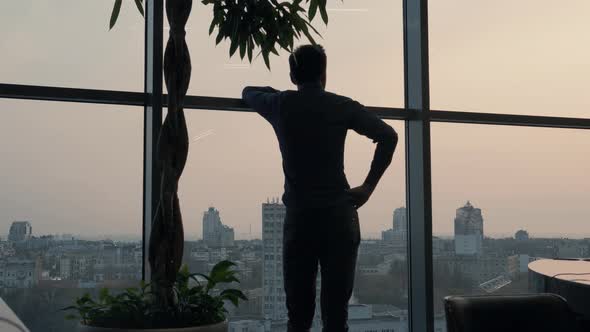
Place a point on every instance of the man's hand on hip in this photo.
(360, 195)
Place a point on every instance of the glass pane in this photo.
(519, 57)
(233, 170)
(504, 196)
(67, 43)
(363, 41)
(73, 172)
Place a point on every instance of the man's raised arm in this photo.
(264, 100)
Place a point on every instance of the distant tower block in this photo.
(215, 233)
(20, 231)
(468, 231)
(400, 225)
(273, 216)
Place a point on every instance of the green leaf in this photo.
(115, 13)
(313, 8)
(212, 26)
(266, 59)
(243, 45)
(71, 317)
(283, 42)
(295, 7)
(236, 27)
(307, 34)
(323, 11)
(71, 307)
(219, 37)
(221, 268)
(291, 42)
(250, 48)
(258, 38)
(233, 295)
(233, 47)
(139, 5)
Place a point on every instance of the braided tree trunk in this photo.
(167, 235)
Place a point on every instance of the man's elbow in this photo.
(390, 138)
(394, 138)
(245, 92)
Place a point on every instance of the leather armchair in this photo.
(509, 313)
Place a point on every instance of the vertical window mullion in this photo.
(154, 28)
(418, 171)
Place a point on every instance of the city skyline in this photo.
(212, 215)
(32, 267)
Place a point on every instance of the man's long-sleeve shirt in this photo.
(311, 126)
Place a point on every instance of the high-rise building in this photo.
(20, 231)
(211, 225)
(468, 231)
(215, 233)
(400, 225)
(227, 236)
(273, 301)
(273, 216)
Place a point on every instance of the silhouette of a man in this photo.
(321, 225)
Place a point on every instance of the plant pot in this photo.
(219, 327)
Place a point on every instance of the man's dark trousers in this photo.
(330, 237)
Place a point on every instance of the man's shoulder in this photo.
(331, 96)
(340, 98)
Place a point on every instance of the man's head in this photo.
(308, 65)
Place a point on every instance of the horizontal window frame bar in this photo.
(94, 96)
(509, 120)
(126, 98)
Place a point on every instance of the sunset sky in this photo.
(77, 168)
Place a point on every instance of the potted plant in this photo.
(196, 308)
(248, 24)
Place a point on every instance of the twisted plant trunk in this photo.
(167, 235)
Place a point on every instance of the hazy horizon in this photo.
(77, 168)
(240, 237)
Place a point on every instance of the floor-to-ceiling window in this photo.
(504, 196)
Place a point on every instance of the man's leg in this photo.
(300, 267)
(338, 264)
